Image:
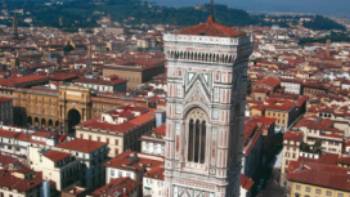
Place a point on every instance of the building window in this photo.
(307, 189)
(328, 193)
(318, 191)
(196, 137)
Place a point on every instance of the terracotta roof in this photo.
(111, 128)
(121, 128)
(156, 173)
(279, 104)
(121, 187)
(7, 180)
(270, 81)
(8, 134)
(211, 28)
(21, 80)
(56, 156)
(344, 160)
(6, 160)
(319, 174)
(63, 76)
(317, 124)
(293, 136)
(246, 182)
(80, 145)
(134, 161)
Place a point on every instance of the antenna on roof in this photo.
(211, 5)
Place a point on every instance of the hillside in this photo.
(73, 14)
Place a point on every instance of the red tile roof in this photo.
(270, 81)
(8, 180)
(246, 182)
(134, 161)
(80, 145)
(211, 28)
(279, 104)
(293, 136)
(119, 129)
(6, 160)
(122, 128)
(64, 76)
(21, 80)
(344, 160)
(121, 187)
(317, 124)
(56, 156)
(156, 173)
(8, 134)
(319, 174)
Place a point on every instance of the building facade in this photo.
(207, 76)
(61, 109)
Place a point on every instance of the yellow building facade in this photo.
(307, 190)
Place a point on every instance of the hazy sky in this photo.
(327, 7)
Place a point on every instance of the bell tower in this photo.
(207, 78)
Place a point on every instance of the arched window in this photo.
(196, 136)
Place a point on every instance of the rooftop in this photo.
(121, 187)
(211, 28)
(122, 120)
(134, 161)
(9, 180)
(56, 156)
(80, 145)
(319, 174)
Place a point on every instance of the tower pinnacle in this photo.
(211, 13)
